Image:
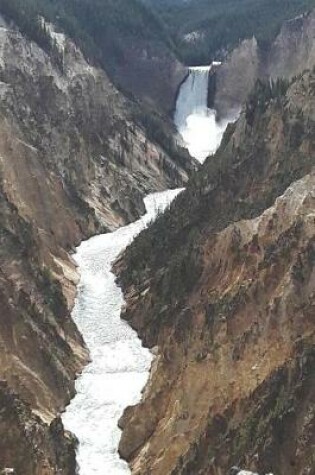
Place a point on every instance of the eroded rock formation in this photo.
(72, 163)
(223, 288)
(291, 53)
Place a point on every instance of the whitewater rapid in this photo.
(119, 365)
(196, 123)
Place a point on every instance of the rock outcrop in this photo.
(30, 445)
(72, 163)
(291, 53)
(222, 286)
(236, 78)
(150, 72)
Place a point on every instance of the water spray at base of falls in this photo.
(119, 366)
(196, 123)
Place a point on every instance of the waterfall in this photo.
(193, 95)
(119, 367)
(195, 122)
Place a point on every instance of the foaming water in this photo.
(202, 134)
(119, 365)
(197, 124)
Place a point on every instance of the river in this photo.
(119, 365)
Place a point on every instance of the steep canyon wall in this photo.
(222, 287)
(292, 52)
(72, 163)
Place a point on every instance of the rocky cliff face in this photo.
(72, 163)
(236, 78)
(222, 286)
(293, 50)
(291, 53)
(29, 446)
(151, 72)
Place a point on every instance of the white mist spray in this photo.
(195, 122)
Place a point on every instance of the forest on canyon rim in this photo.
(221, 286)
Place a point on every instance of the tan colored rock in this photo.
(291, 53)
(235, 373)
(72, 164)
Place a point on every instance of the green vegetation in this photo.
(221, 24)
(221, 193)
(158, 131)
(262, 94)
(101, 28)
(25, 16)
(52, 291)
(106, 31)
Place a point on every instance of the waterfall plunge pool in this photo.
(119, 366)
(196, 123)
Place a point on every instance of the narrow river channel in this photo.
(119, 365)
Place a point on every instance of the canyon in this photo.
(220, 287)
(119, 365)
(73, 163)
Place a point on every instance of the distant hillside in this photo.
(125, 37)
(202, 28)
